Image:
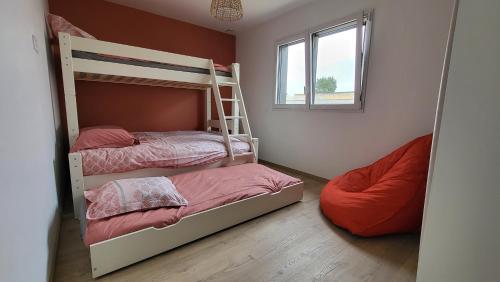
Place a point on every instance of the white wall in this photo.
(461, 231)
(408, 44)
(29, 154)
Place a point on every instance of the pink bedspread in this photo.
(203, 190)
(160, 149)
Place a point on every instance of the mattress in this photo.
(174, 149)
(203, 190)
(141, 63)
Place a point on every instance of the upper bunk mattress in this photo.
(174, 149)
(219, 70)
(204, 190)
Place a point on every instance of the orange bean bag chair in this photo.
(384, 197)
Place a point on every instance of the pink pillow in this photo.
(59, 24)
(134, 194)
(103, 137)
(220, 67)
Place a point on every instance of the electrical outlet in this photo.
(35, 43)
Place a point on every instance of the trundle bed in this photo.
(245, 189)
(218, 198)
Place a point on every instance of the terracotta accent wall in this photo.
(141, 108)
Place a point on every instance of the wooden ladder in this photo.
(247, 134)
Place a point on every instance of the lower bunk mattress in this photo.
(173, 149)
(203, 190)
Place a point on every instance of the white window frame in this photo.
(358, 19)
(361, 17)
(291, 39)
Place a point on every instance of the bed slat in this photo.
(91, 70)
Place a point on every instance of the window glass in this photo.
(291, 73)
(334, 67)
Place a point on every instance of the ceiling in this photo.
(197, 12)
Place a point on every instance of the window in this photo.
(334, 65)
(291, 73)
(334, 76)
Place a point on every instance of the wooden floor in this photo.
(295, 243)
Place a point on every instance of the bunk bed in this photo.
(95, 60)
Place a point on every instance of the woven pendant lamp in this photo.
(226, 10)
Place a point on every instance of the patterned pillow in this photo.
(59, 24)
(134, 194)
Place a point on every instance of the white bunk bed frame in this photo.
(115, 253)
